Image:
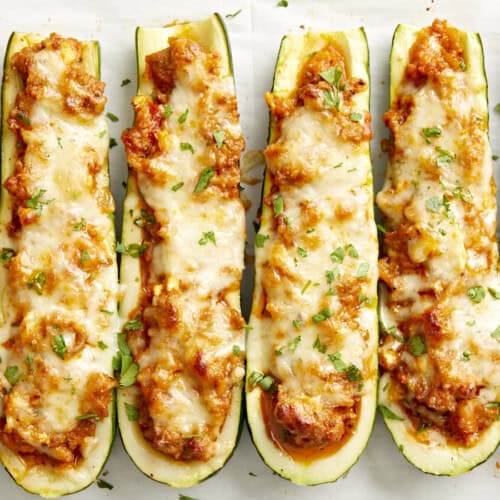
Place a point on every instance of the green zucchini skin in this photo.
(442, 459)
(211, 33)
(54, 486)
(306, 475)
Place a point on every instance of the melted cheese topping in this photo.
(314, 311)
(57, 342)
(191, 359)
(440, 312)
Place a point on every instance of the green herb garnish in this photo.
(389, 414)
(205, 177)
(417, 345)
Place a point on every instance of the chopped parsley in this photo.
(177, 186)
(184, 116)
(112, 143)
(260, 239)
(24, 118)
(319, 346)
(59, 346)
(204, 179)
(476, 294)
(338, 255)
(391, 331)
(265, 382)
(496, 109)
(434, 204)
(323, 315)
(38, 281)
(187, 146)
(123, 362)
(494, 293)
(133, 324)
(134, 249)
(233, 15)
(128, 371)
(332, 76)
(80, 225)
(278, 205)
(6, 255)
(351, 251)
(364, 300)
(282, 3)
(496, 333)
(353, 373)
(331, 101)
(84, 256)
(101, 483)
(302, 252)
(332, 96)
(208, 236)
(362, 271)
(236, 350)
(356, 117)
(291, 346)
(305, 287)
(102, 345)
(445, 157)
(466, 355)
(125, 82)
(463, 193)
(132, 412)
(417, 345)
(219, 136)
(337, 361)
(331, 275)
(35, 203)
(88, 416)
(167, 111)
(388, 413)
(424, 426)
(144, 219)
(13, 374)
(431, 132)
(297, 323)
(112, 117)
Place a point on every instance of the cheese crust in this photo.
(440, 283)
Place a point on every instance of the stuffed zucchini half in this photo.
(312, 347)
(182, 355)
(440, 288)
(58, 279)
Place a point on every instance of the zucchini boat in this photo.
(183, 242)
(440, 386)
(58, 278)
(312, 347)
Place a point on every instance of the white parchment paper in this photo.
(255, 33)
